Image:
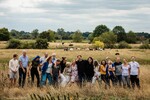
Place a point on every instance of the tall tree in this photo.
(99, 30)
(77, 36)
(52, 35)
(131, 37)
(90, 37)
(49, 35)
(14, 33)
(4, 34)
(109, 38)
(61, 33)
(120, 32)
(35, 33)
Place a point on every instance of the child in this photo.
(65, 77)
(110, 72)
(96, 72)
(74, 72)
(13, 67)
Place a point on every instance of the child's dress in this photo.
(74, 73)
(96, 74)
(65, 77)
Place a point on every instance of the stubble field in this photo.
(95, 93)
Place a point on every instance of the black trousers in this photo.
(34, 72)
(82, 78)
(112, 78)
(105, 80)
(55, 80)
(135, 80)
(103, 77)
(118, 79)
(22, 77)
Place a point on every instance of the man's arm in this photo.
(138, 72)
(129, 69)
(20, 63)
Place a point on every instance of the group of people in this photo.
(52, 71)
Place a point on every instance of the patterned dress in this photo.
(74, 73)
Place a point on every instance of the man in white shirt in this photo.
(13, 69)
(134, 72)
(43, 59)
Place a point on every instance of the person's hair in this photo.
(63, 58)
(68, 64)
(79, 55)
(104, 61)
(117, 53)
(125, 59)
(49, 58)
(96, 63)
(132, 56)
(110, 62)
(90, 58)
(57, 60)
(15, 55)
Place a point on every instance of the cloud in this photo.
(74, 14)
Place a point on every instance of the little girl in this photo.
(74, 72)
(96, 72)
(65, 77)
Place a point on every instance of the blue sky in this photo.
(72, 15)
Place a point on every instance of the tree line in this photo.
(101, 33)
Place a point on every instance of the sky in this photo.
(72, 15)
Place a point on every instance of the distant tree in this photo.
(14, 33)
(49, 35)
(96, 39)
(120, 32)
(69, 34)
(41, 44)
(131, 37)
(35, 33)
(14, 44)
(61, 33)
(98, 44)
(99, 30)
(109, 38)
(4, 34)
(123, 45)
(24, 35)
(77, 36)
(85, 35)
(142, 36)
(90, 37)
(52, 35)
(44, 35)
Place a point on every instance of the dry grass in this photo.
(3, 44)
(143, 56)
(87, 92)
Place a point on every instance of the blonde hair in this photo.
(68, 64)
(110, 62)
